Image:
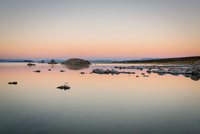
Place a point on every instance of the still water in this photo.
(96, 103)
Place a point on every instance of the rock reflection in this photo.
(195, 77)
(161, 73)
(76, 67)
(192, 76)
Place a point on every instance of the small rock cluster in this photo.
(14, 83)
(65, 87)
(107, 71)
(192, 69)
(52, 62)
(30, 64)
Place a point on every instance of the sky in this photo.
(99, 29)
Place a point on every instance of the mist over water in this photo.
(96, 103)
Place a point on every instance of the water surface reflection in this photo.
(97, 103)
(75, 67)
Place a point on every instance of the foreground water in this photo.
(96, 103)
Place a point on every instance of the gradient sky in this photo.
(99, 29)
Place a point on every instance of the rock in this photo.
(62, 70)
(149, 70)
(52, 62)
(161, 71)
(14, 83)
(114, 71)
(193, 69)
(49, 69)
(107, 71)
(137, 76)
(177, 71)
(42, 61)
(37, 71)
(98, 71)
(64, 87)
(82, 72)
(197, 62)
(30, 64)
(128, 72)
(76, 61)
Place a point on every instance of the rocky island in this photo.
(76, 62)
(52, 62)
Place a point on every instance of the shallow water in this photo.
(96, 103)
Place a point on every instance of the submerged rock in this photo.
(38, 71)
(76, 61)
(62, 70)
(52, 62)
(82, 72)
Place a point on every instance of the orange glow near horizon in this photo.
(87, 49)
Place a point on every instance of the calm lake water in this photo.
(96, 103)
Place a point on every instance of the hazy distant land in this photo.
(175, 60)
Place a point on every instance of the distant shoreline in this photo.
(176, 60)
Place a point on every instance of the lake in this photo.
(96, 103)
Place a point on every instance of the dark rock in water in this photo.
(38, 71)
(65, 87)
(137, 76)
(62, 70)
(127, 72)
(30, 64)
(149, 72)
(52, 62)
(195, 77)
(49, 69)
(112, 71)
(41, 61)
(14, 83)
(76, 61)
(82, 72)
